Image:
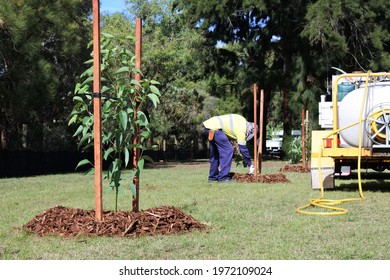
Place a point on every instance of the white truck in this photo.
(274, 145)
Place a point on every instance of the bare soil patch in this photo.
(70, 222)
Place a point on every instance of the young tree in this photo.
(123, 118)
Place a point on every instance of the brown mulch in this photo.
(294, 168)
(266, 178)
(70, 222)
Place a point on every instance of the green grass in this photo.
(247, 221)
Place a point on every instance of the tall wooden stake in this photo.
(260, 151)
(303, 138)
(138, 55)
(255, 123)
(97, 110)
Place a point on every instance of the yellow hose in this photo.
(328, 204)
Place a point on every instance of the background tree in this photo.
(42, 47)
(172, 54)
(354, 35)
(262, 41)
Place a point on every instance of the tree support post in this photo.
(303, 138)
(260, 149)
(255, 128)
(97, 110)
(136, 141)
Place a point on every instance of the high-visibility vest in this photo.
(233, 125)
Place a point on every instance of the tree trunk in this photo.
(286, 113)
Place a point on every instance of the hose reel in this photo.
(378, 125)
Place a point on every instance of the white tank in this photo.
(376, 129)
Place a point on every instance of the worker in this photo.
(220, 129)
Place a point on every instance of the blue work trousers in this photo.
(221, 156)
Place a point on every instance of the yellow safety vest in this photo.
(233, 125)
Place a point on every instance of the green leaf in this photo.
(132, 175)
(106, 107)
(107, 153)
(154, 99)
(113, 168)
(148, 158)
(87, 137)
(88, 73)
(155, 90)
(78, 131)
(73, 119)
(141, 163)
(83, 162)
(87, 81)
(107, 35)
(142, 118)
(90, 171)
(145, 134)
(78, 98)
(122, 70)
(87, 120)
(89, 61)
(129, 110)
(135, 82)
(133, 190)
(106, 88)
(119, 92)
(137, 146)
(117, 177)
(123, 119)
(127, 156)
(119, 140)
(82, 89)
(106, 137)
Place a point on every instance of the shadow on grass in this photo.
(171, 164)
(371, 181)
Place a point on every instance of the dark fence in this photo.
(29, 163)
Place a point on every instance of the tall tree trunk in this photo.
(286, 113)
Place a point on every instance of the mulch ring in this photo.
(70, 222)
(266, 178)
(294, 168)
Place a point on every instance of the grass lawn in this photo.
(246, 221)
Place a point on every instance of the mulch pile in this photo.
(294, 168)
(70, 222)
(266, 178)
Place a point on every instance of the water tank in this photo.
(343, 89)
(376, 128)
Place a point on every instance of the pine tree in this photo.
(43, 44)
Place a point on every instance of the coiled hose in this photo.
(330, 204)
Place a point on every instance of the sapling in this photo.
(124, 101)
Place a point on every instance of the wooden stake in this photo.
(97, 110)
(138, 55)
(260, 150)
(255, 123)
(303, 138)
